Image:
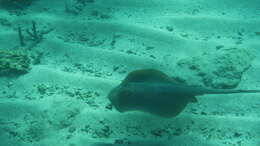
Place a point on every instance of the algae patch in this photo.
(15, 4)
(13, 63)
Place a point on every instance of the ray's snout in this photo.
(113, 96)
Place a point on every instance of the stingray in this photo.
(152, 91)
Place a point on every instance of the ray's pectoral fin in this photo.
(146, 75)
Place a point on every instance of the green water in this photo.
(60, 59)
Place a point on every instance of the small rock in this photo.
(109, 107)
(72, 129)
(236, 134)
(219, 47)
(169, 28)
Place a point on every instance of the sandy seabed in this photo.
(93, 44)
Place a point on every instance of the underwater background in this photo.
(59, 60)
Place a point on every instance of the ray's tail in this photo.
(230, 91)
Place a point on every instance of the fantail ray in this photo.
(152, 91)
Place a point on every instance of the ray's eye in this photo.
(125, 93)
